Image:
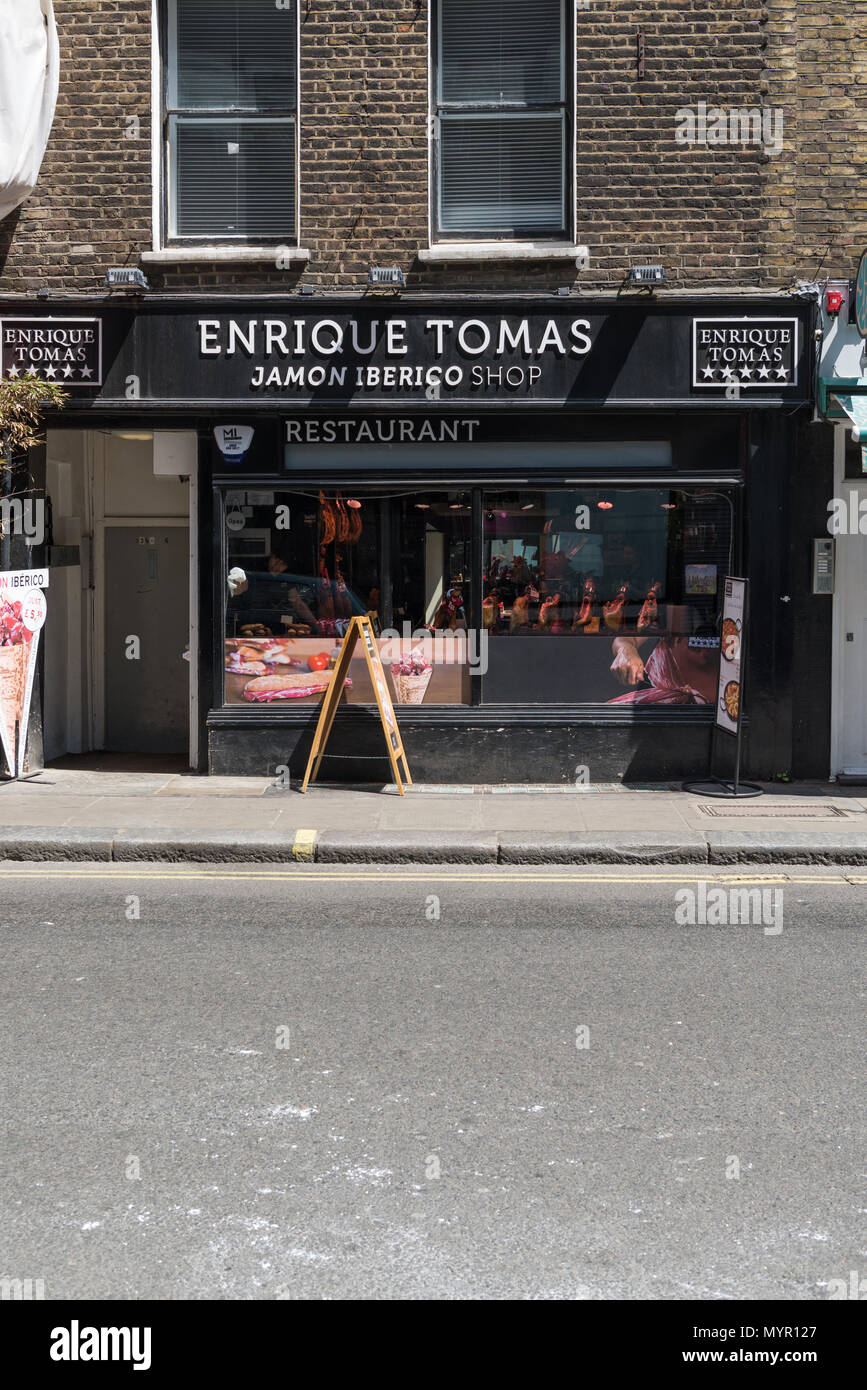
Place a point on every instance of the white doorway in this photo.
(126, 573)
(849, 661)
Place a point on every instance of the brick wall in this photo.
(817, 74)
(715, 216)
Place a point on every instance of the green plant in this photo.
(21, 404)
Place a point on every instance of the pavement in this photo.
(317, 1082)
(74, 813)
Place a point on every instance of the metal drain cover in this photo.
(775, 812)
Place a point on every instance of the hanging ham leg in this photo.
(615, 611)
(586, 612)
(649, 615)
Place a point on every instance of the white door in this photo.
(850, 635)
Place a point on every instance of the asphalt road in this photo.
(311, 1083)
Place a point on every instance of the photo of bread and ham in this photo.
(258, 656)
(278, 673)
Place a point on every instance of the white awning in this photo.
(855, 407)
(29, 74)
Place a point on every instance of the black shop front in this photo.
(539, 500)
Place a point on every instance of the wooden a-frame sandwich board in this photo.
(363, 628)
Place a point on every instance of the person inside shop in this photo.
(270, 594)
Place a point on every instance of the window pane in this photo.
(310, 567)
(501, 174)
(501, 50)
(233, 177)
(605, 596)
(431, 599)
(313, 561)
(234, 53)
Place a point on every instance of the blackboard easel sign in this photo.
(359, 628)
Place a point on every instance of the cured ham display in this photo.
(648, 618)
(615, 610)
(587, 618)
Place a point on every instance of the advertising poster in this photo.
(22, 615)
(728, 710)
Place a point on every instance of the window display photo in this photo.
(614, 589)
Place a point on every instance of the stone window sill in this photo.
(227, 255)
(448, 252)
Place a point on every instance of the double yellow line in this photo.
(490, 875)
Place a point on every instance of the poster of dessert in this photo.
(22, 616)
(728, 709)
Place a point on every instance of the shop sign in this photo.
(359, 628)
(67, 351)
(388, 430)
(749, 353)
(419, 355)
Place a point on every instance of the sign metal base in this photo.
(717, 786)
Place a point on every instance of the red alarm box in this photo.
(833, 301)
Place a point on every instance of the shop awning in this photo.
(840, 397)
(855, 407)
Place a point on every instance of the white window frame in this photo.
(443, 239)
(167, 243)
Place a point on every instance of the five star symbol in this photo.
(744, 374)
(51, 372)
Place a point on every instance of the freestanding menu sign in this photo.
(22, 615)
(728, 705)
(359, 628)
(730, 689)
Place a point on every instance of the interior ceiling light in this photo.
(668, 506)
(353, 502)
(423, 506)
(140, 435)
(605, 506)
(527, 506)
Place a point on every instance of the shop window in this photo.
(501, 163)
(313, 561)
(563, 596)
(231, 120)
(604, 596)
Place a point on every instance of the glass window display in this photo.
(621, 584)
(586, 596)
